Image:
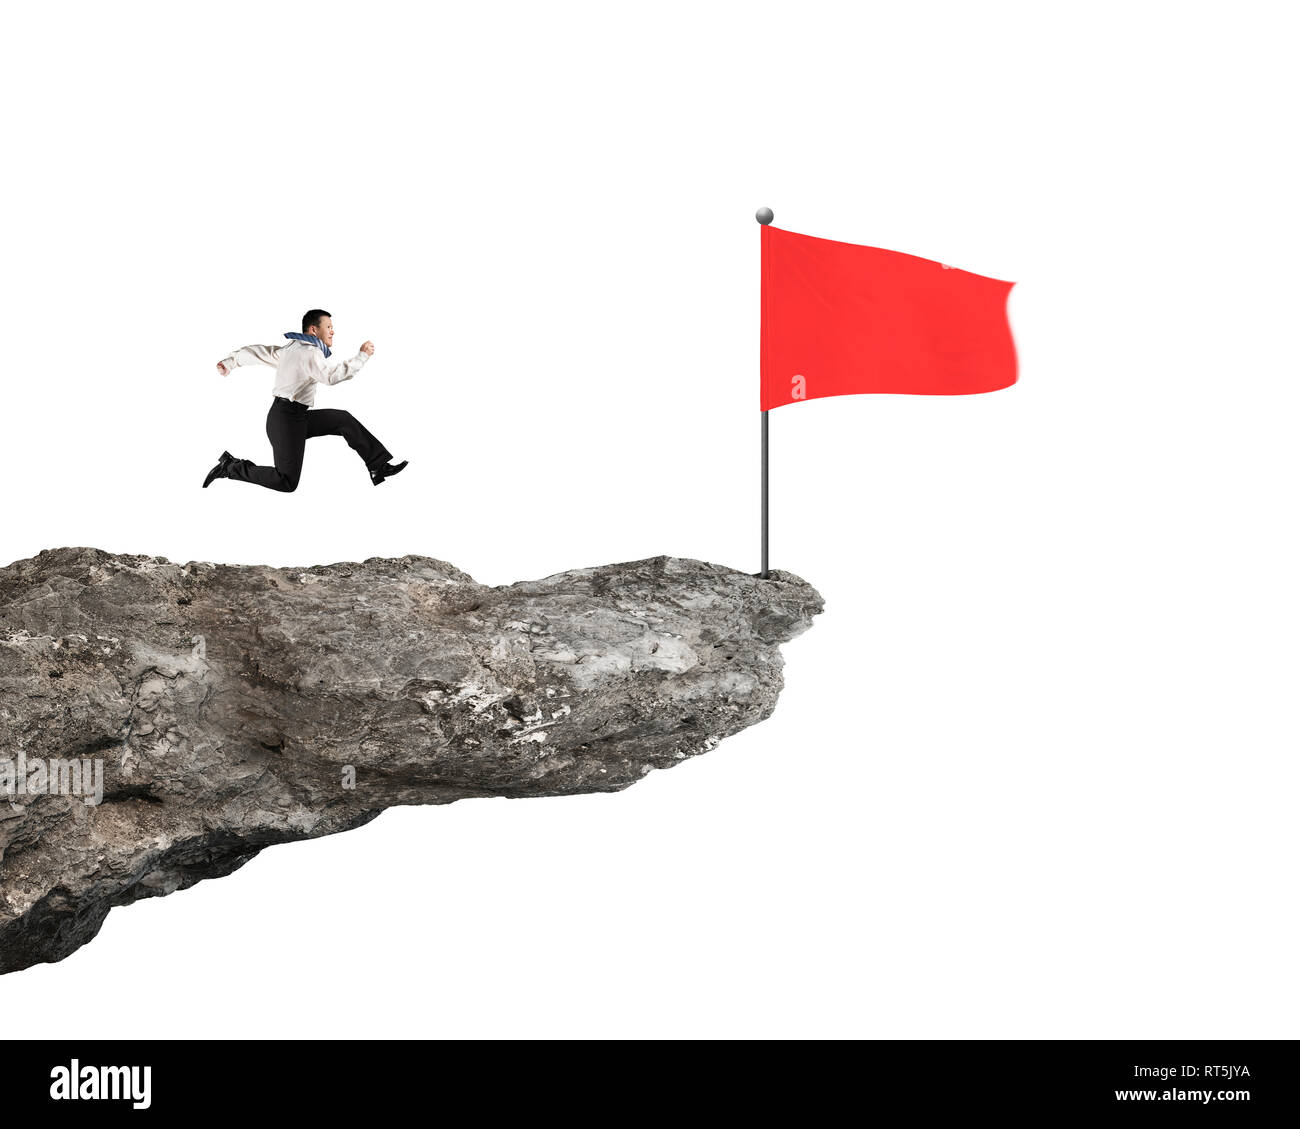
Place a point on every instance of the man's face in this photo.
(325, 331)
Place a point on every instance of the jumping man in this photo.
(299, 367)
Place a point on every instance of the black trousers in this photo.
(288, 426)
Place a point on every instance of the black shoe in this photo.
(387, 471)
(219, 471)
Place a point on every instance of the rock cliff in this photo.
(163, 723)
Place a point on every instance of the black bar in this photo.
(1080, 1080)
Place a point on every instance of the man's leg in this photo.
(332, 421)
(286, 428)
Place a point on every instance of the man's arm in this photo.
(344, 370)
(248, 355)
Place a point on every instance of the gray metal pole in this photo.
(764, 216)
(763, 574)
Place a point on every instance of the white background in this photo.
(1033, 773)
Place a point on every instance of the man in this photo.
(299, 367)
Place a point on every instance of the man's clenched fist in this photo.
(221, 368)
(368, 348)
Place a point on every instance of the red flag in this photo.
(840, 319)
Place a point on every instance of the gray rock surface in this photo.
(232, 707)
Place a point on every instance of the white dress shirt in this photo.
(299, 367)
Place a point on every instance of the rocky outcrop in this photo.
(162, 723)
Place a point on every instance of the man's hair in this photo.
(312, 318)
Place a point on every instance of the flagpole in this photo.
(763, 575)
(764, 217)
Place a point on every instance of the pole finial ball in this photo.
(764, 216)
